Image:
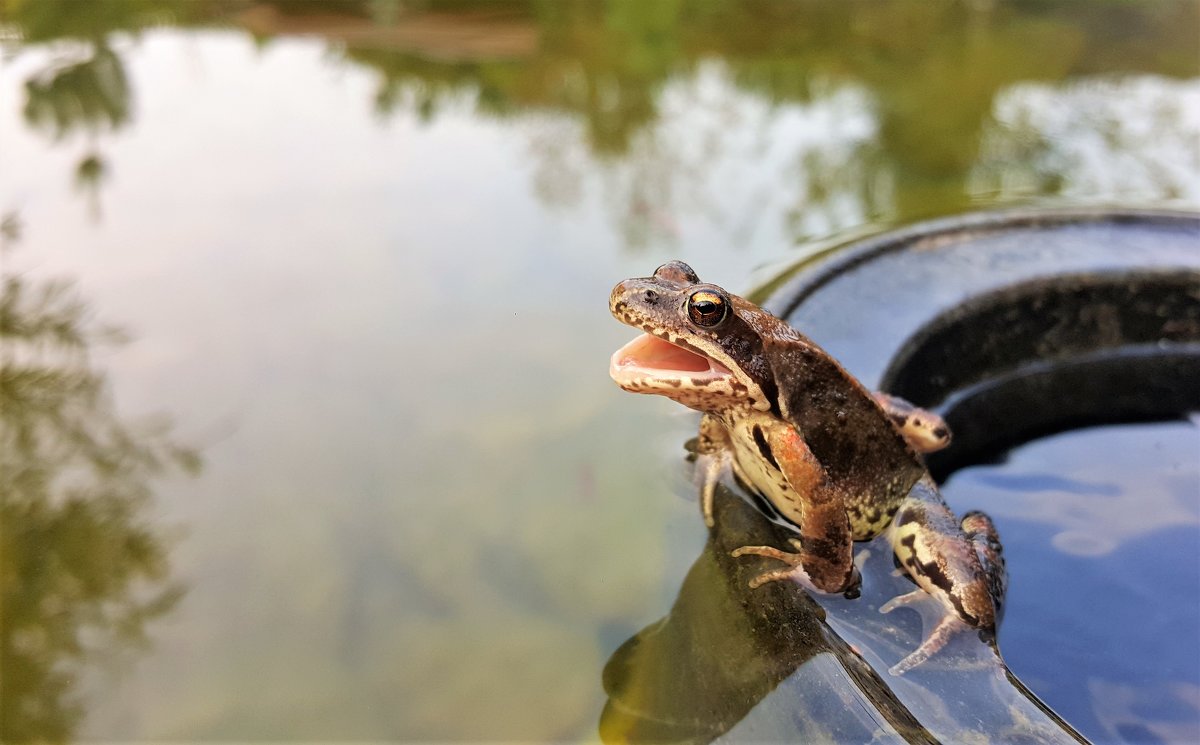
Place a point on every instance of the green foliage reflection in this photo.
(82, 570)
(931, 71)
(92, 94)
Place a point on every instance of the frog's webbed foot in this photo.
(943, 631)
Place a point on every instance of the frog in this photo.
(817, 450)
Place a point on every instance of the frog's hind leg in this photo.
(982, 533)
(959, 565)
(925, 431)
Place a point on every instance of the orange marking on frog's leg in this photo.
(826, 542)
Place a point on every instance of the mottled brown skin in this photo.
(852, 437)
(837, 462)
(855, 465)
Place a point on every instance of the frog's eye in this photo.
(707, 308)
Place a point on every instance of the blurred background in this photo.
(305, 419)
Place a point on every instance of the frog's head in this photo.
(703, 347)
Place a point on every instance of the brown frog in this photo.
(833, 461)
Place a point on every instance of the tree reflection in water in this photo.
(90, 94)
(932, 77)
(82, 569)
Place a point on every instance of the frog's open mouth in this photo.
(648, 360)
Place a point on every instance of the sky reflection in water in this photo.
(1089, 517)
(363, 260)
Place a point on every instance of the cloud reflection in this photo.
(1135, 138)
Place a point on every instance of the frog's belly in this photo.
(783, 504)
(756, 472)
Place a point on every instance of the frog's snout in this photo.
(616, 298)
(640, 295)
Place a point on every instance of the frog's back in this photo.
(857, 444)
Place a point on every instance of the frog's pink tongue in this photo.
(651, 353)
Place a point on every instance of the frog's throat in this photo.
(649, 364)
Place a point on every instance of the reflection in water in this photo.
(88, 95)
(950, 100)
(1121, 138)
(90, 175)
(91, 95)
(773, 664)
(81, 570)
(1109, 530)
(1093, 508)
(814, 163)
(399, 543)
(1120, 709)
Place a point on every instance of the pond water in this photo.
(1088, 517)
(354, 468)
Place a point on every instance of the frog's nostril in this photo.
(650, 296)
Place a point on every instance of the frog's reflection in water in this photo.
(723, 648)
(82, 571)
(775, 664)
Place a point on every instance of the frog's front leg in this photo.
(960, 565)
(713, 444)
(805, 495)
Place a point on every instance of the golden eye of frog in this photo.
(833, 461)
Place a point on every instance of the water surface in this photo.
(357, 470)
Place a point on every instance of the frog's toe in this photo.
(793, 570)
(908, 598)
(769, 552)
(796, 573)
(942, 633)
(945, 626)
(787, 557)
